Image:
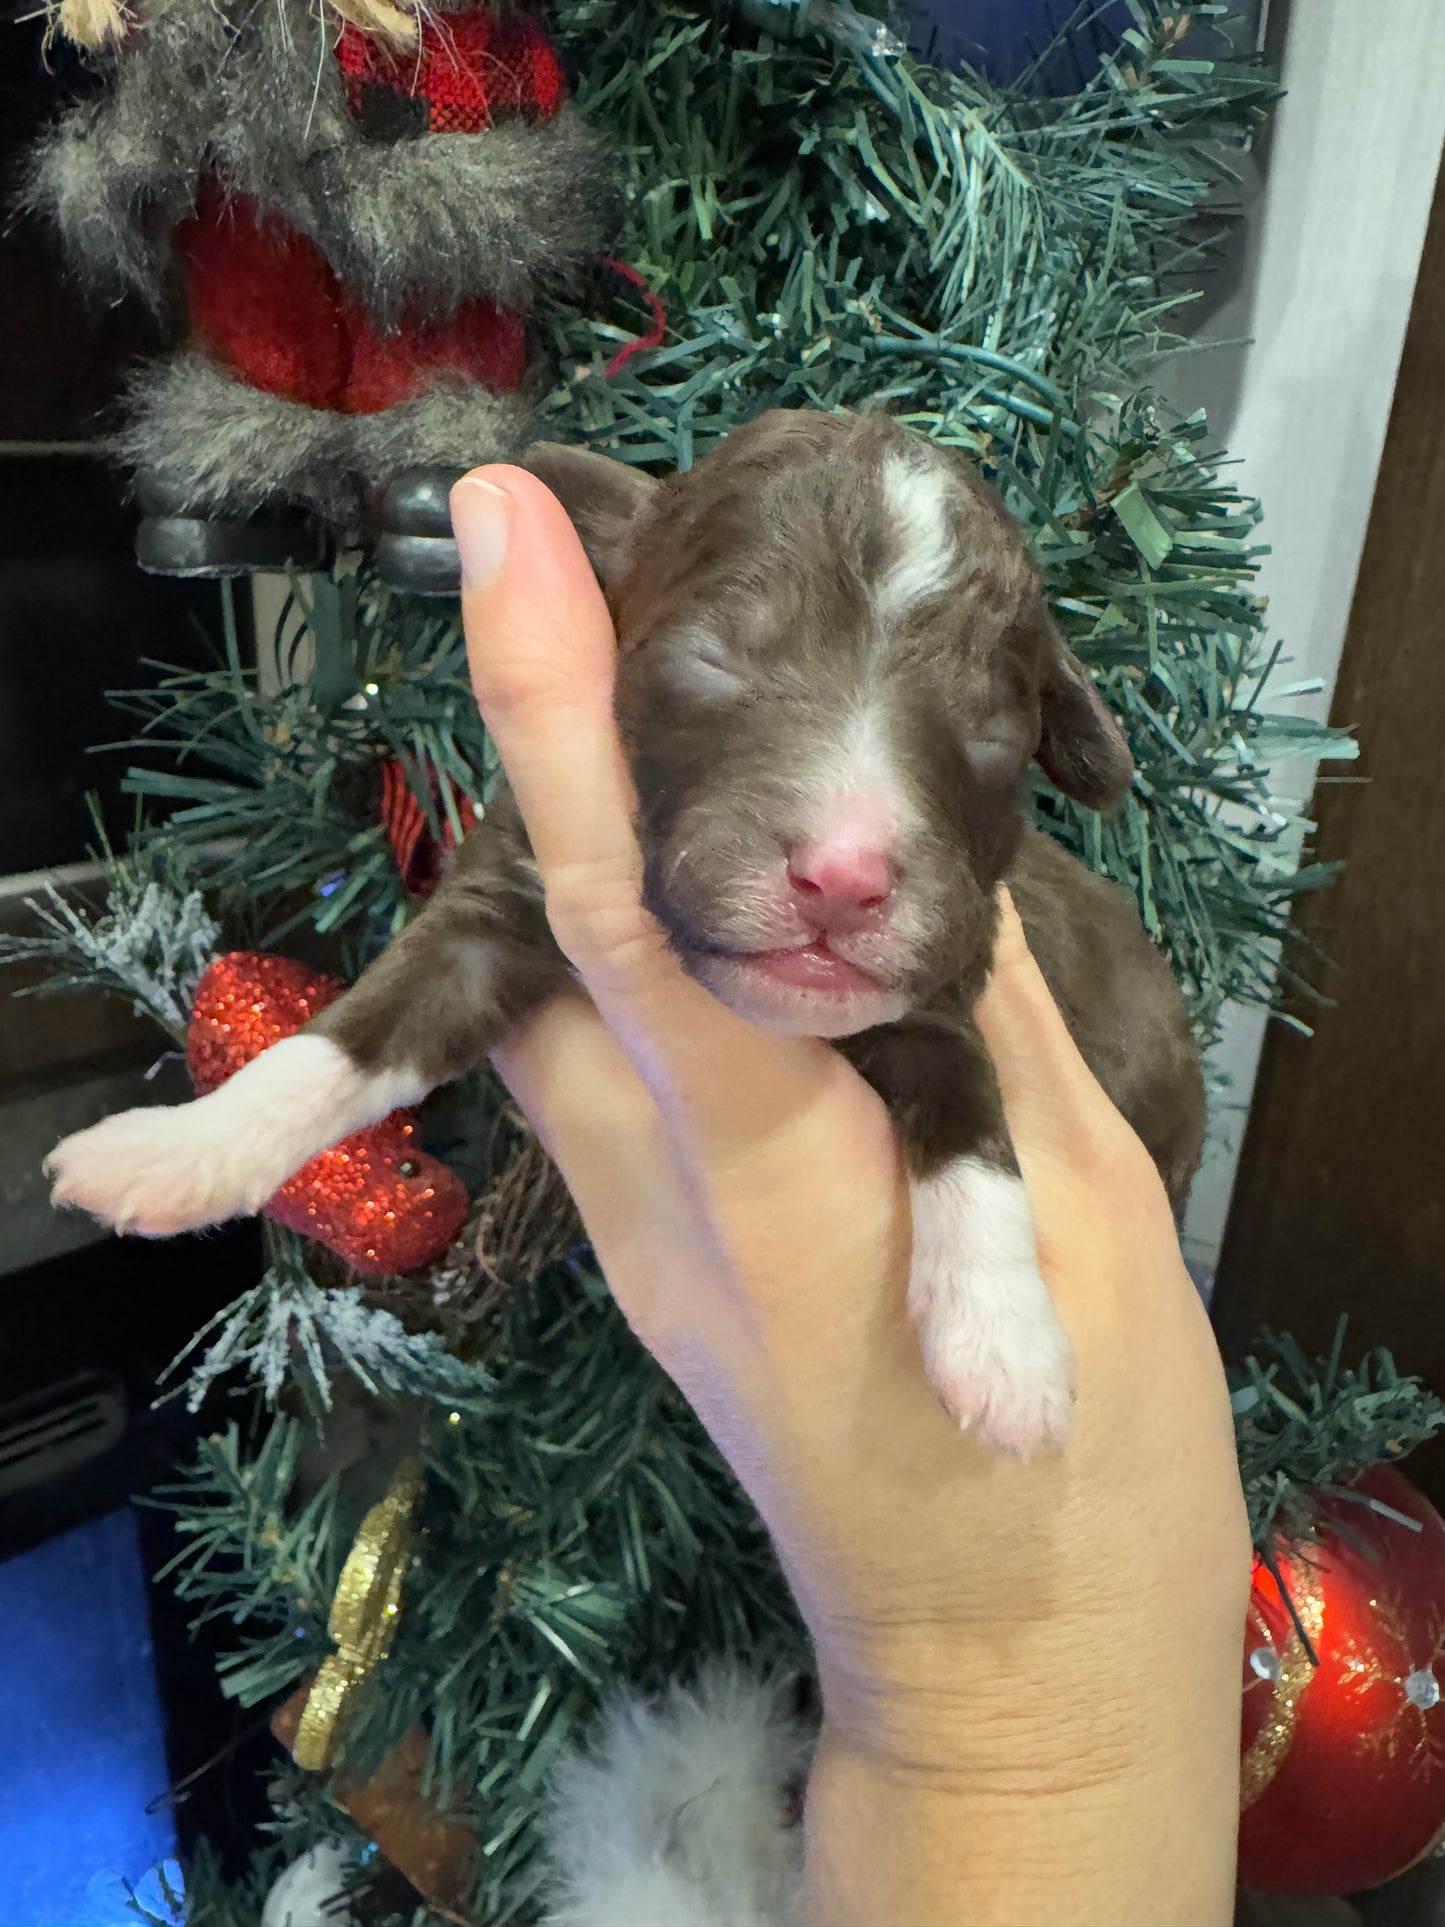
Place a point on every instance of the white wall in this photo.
(1332, 251)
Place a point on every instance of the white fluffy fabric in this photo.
(677, 1815)
(311, 1892)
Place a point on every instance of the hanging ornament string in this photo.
(655, 335)
(364, 1616)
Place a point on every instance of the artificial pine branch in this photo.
(1002, 272)
(149, 941)
(578, 1531)
(292, 1330)
(1305, 1428)
(276, 799)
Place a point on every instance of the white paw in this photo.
(160, 1171)
(992, 1342)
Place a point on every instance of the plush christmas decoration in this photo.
(376, 1198)
(683, 1813)
(359, 217)
(1343, 1782)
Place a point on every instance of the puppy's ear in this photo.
(1081, 747)
(602, 496)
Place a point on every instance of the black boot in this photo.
(415, 548)
(174, 539)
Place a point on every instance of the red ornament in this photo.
(1343, 1780)
(376, 1199)
(418, 853)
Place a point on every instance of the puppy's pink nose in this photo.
(837, 878)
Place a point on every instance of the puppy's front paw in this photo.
(150, 1171)
(992, 1342)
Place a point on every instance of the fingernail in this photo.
(481, 517)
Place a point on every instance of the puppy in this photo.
(835, 662)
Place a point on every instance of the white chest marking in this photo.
(992, 1342)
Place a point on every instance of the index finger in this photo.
(543, 658)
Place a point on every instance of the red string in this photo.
(655, 335)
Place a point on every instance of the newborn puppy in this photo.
(835, 663)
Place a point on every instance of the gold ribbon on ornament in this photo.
(1296, 1670)
(363, 1619)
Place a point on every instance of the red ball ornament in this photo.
(1343, 1776)
(376, 1198)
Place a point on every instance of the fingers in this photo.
(542, 654)
(1052, 1102)
(541, 650)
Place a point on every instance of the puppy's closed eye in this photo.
(997, 748)
(697, 662)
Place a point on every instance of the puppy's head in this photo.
(835, 663)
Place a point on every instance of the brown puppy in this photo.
(835, 663)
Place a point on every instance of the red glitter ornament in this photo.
(1343, 1782)
(376, 1199)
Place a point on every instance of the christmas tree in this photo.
(820, 218)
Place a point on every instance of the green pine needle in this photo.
(1305, 1428)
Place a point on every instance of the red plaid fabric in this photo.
(468, 71)
(265, 305)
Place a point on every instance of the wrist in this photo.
(1049, 1839)
(971, 1714)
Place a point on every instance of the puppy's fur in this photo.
(828, 621)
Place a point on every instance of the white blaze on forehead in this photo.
(916, 498)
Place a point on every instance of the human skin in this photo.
(1029, 1673)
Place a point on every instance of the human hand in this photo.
(984, 1630)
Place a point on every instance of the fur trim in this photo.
(253, 94)
(277, 102)
(423, 225)
(225, 446)
(677, 1816)
(415, 226)
(116, 172)
(455, 424)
